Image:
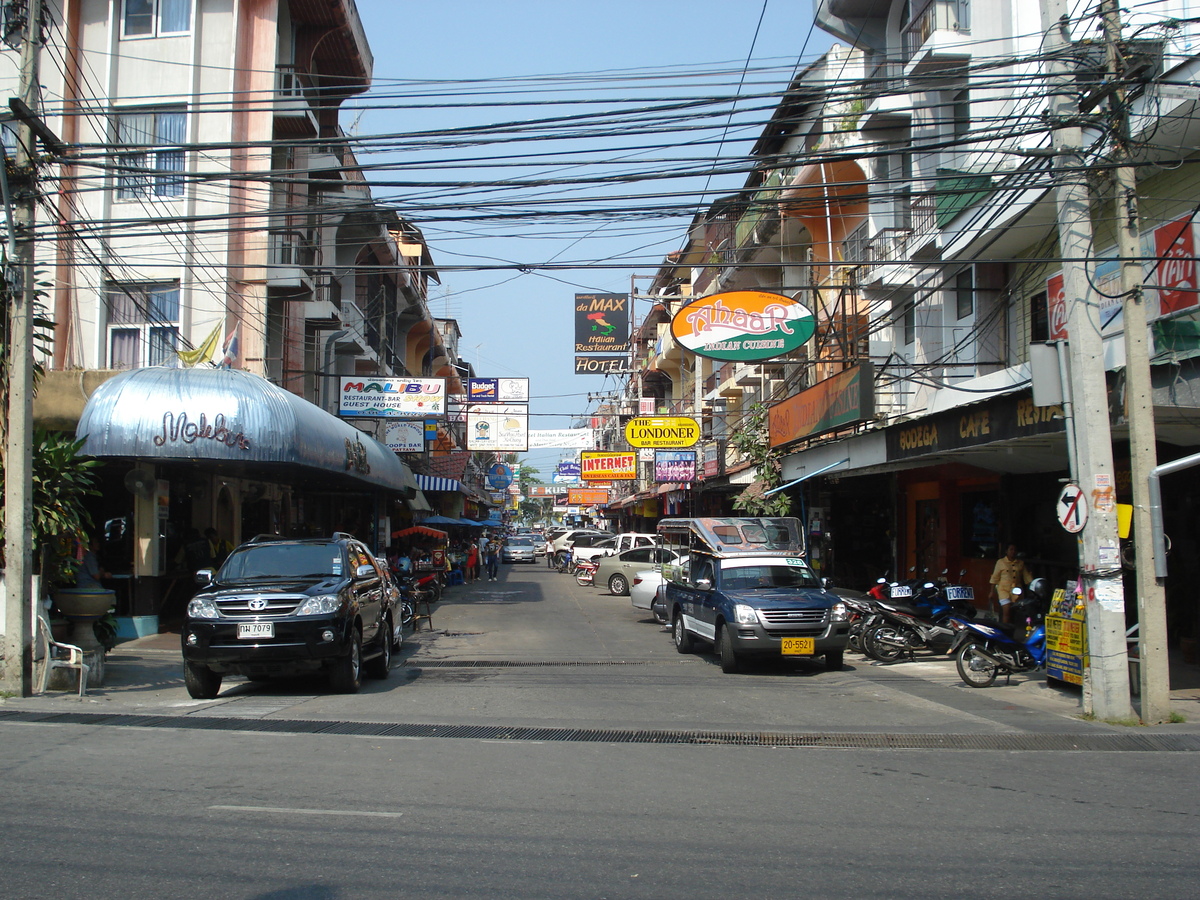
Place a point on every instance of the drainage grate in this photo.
(1137, 743)
(513, 663)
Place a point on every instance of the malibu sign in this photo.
(665, 433)
(743, 326)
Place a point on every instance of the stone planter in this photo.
(83, 607)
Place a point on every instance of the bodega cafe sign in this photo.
(662, 433)
(743, 326)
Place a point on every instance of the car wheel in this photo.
(728, 656)
(618, 584)
(201, 681)
(379, 666)
(679, 634)
(833, 660)
(345, 675)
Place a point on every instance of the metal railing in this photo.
(938, 15)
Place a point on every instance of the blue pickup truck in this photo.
(742, 585)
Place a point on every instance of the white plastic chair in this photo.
(57, 655)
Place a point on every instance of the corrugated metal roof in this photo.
(229, 415)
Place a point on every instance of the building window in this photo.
(143, 324)
(904, 314)
(154, 18)
(960, 113)
(964, 292)
(154, 168)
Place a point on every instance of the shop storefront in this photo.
(185, 450)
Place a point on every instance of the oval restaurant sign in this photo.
(665, 433)
(743, 326)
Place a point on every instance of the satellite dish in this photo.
(140, 484)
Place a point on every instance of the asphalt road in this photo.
(104, 806)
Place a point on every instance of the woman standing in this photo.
(471, 570)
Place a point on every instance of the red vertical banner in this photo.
(1056, 307)
(1175, 248)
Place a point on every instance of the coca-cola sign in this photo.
(1056, 307)
(1175, 248)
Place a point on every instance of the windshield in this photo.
(282, 561)
(776, 573)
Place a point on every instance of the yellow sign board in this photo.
(666, 432)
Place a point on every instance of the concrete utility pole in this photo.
(1106, 680)
(18, 476)
(1139, 399)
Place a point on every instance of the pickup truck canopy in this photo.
(739, 535)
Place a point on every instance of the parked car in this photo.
(585, 537)
(289, 607)
(643, 587)
(617, 571)
(519, 549)
(586, 551)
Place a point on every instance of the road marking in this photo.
(311, 812)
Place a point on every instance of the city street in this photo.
(546, 740)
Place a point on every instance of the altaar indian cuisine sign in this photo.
(743, 326)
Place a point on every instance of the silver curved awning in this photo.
(229, 416)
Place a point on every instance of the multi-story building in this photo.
(905, 192)
(209, 209)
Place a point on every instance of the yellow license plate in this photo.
(799, 647)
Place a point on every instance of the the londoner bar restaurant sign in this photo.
(666, 432)
(743, 326)
(601, 465)
(388, 398)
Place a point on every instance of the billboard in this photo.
(602, 465)
(498, 426)
(498, 390)
(603, 365)
(391, 398)
(405, 437)
(563, 438)
(743, 326)
(674, 465)
(602, 323)
(586, 497)
(667, 431)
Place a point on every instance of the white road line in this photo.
(311, 812)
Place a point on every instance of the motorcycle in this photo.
(983, 652)
(931, 621)
(585, 572)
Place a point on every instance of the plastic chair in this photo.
(456, 577)
(53, 657)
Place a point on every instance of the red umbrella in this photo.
(422, 530)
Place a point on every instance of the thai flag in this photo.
(229, 350)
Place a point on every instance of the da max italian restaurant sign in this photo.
(666, 432)
(1002, 419)
(388, 398)
(743, 326)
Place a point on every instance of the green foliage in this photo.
(752, 441)
(62, 480)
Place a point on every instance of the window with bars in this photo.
(153, 165)
(143, 324)
(155, 18)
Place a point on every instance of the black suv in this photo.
(288, 607)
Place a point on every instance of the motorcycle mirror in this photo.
(881, 581)
(1017, 592)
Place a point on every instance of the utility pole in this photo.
(1153, 674)
(18, 475)
(1106, 680)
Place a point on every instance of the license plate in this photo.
(798, 647)
(249, 631)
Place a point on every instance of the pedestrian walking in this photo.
(493, 559)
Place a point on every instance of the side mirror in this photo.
(366, 570)
(204, 577)
(704, 584)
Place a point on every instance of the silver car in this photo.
(617, 571)
(519, 550)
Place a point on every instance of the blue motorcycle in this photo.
(981, 652)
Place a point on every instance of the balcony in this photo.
(290, 254)
(294, 115)
(938, 38)
(890, 106)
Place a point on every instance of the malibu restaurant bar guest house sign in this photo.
(743, 326)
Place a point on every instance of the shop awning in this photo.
(230, 417)
(436, 483)
(421, 530)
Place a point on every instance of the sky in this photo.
(445, 65)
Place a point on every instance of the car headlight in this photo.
(745, 615)
(203, 608)
(839, 613)
(321, 605)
